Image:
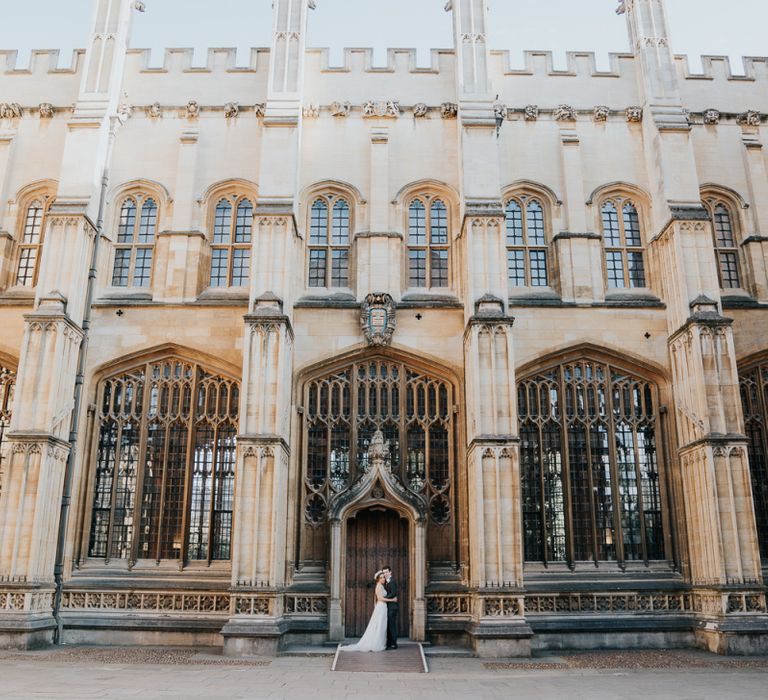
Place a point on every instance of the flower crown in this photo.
(377, 574)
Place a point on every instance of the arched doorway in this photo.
(375, 537)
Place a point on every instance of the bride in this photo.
(375, 636)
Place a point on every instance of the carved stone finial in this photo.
(531, 113)
(565, 113)
(378, 318)
(711, 116)
(749, 118)
(192, 109)
(154, 111)
(45, 110)
(231, 110)
(449, 110)
(311, 111)
(601, 113)
(634, 115)
(340, 109)
(420, 110)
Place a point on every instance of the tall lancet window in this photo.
(526, 243)
(754, 400)
(428, 243)
(165, 464)
(623, 243)
(30, 249)
(231, 242)
(590, 465)
(726, 243)
(329, 243)
(135, 242)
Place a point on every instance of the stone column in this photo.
(712, 472)
(39, 439)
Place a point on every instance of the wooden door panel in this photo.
(375, 538)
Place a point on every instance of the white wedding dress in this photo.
(375, 636)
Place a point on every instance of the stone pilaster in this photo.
(7, 145)
(179, 249)
(755, 240)
(578, 248)
(494, 499)
(261, 535)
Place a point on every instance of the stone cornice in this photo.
(708, 321)
(755, 238)
(188, 234)
(716, 440)
(379, 234)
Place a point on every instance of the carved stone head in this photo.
(46, 110)
(420, 110)
(449, 110)
(154, 111)
(634, 114)
(601, 113)
(193, 109)
(711, 117)
(531, 113)
(231, 110)
(340, 109)
(565, 113)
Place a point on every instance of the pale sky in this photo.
(736, 28)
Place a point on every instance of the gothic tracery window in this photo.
(165, 464)
(7, 384)
(231, 242)
(413, 410)
(590, 465)
(329, 240)
(526, 243)
(725, 242)
(754, 400)
(135, 242)
(623, 244)
(30, 249)
(428, 243)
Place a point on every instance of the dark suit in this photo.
(392, 611)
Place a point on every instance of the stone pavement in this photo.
(152, 673)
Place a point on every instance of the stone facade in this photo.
(548, 289)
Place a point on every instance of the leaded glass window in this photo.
(134, 246)
(7, 384)
(231, 242)
(623, 243)
(726, 244)
(329, 243)
(526, 243)
(414, 411)
(754, 400)
(165, 464)
(30, 249)
(428, 243)
(591, 478)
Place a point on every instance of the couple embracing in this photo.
(381, 633)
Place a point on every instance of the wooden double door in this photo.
(375, 538)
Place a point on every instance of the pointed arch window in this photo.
(428, 243)
(134, 247)
(591, 476)
(7, 385)
(754, 400)
(414, 411)
(329, 242)
(726, 243)
(31, 243)
(231, 242)
(165, 464)
(623, 243)
(526, 243)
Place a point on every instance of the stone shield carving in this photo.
(378, 318)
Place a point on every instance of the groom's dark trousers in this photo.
(392, 611)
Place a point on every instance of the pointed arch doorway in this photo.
(376, 537)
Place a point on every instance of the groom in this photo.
(392, 607)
